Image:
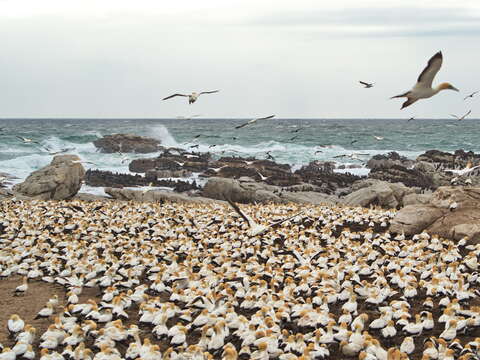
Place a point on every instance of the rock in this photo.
(127, 143)
(173, 162)
(223, 189)
(308, 197)
(376, 192)
(439, 218)
(413, 219)
(321, 174)
(154, 196)
(414, 199)
(5, 194)
(60, 180)
(388, 160)
(400, 174)
(459, 158)
(110, 179)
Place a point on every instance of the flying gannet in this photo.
(423, 88)
(366, 85)
(470, 95)
(193, 96)
(460, 118)
(254, 121)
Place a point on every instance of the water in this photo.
(332, 137)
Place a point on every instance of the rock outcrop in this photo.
(154, 196)
(389, 160)
(376, 192)
(400, 174)
(60, 180)
(127, 143)
(248, 191)
(452, 212)
(110, 179)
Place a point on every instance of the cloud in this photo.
(379, 21)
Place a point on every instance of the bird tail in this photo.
(407, 103)
(401, 95)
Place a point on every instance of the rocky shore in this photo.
(394, 182)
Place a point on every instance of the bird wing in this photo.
(244, 124)
(239, 212)
(208, 92)
(265, 118)
(455, 116)
(286, 219)
(426, 77)
(171, 96)
(20, 137)
(468, 113)
(364, 83)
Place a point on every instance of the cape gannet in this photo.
(470, 95)
(254, 121)
(460, 118)
(193, 96)
(423, 88)
(366, 85)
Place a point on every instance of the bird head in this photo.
(447, 86)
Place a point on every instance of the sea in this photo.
(293, 141)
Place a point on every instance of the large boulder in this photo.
(452, 212)
(60, 180)
(127, 143)
(377, 192)
(231, 189)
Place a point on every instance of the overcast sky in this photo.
(303, 58)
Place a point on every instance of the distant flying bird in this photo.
(296, 130)
(423, 88)
(471, 95)
(461, 117)
(353, 142)
(254, 121)
(27, 140)
(366, 85)
(193, 96)
(379, 138)
(412, 118)
(51, 152)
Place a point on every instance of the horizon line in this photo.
(220, 118)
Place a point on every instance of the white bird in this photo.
(15, 324)
(22, 289)
(378, 137)
(193, 96)
(467, 169)
(27, 140)
(460, 118)
(366, 85)
(423, 88)
(255, 228)
(254, 121)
